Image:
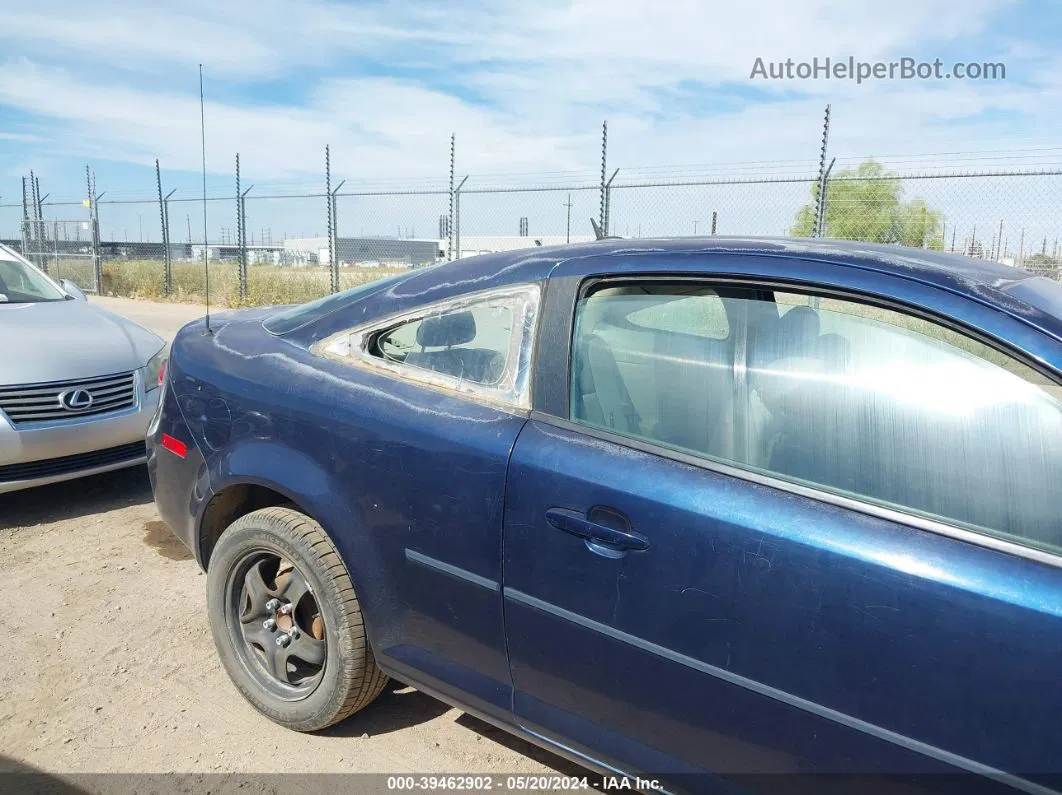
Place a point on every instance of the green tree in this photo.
(866, 203)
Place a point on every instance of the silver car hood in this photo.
(63, 340)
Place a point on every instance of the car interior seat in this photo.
(599, 394)
(445, 332)
(695, 392)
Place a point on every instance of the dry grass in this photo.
(266, 285)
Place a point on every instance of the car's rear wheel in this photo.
(287, 623)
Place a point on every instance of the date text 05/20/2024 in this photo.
(480, 783)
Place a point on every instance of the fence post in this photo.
(243, 243)
(823, 199)
(42, 235)
(55, 248)
(714, 217)
(604, 168)
(25, 219)
(35, 226)
(568, 225)
(333, 266)
(94, 215)
(168, 260)
(608, 203)
(241, 237)
(820, 187)
(162, 224)
(450, 216)
(335, 227)
(33, 207)
(457, 218)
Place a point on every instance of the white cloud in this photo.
(524, 86)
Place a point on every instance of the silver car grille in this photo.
(65, 400)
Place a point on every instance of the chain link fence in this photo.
(65, 250)
(277, 247)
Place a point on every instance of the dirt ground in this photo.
(110, 666)
(165, 319)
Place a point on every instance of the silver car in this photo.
(78, 384)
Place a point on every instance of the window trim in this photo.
(909, 518)
(512, 391)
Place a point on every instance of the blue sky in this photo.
(524, 86)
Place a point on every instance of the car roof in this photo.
(1017, 292)
(535, 263)
(979, 279)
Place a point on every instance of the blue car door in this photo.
(781, 524)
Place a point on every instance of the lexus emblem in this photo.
(76, 400)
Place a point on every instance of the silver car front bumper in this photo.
(36, 454)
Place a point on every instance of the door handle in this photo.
(575, 523)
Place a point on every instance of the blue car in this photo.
(719, 514)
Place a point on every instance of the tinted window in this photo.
(856, 399)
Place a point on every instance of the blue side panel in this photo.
(387, 467)
(767, 632)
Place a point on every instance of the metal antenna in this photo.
(206, 250)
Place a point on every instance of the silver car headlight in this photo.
(155, 371)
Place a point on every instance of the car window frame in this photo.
(511, 392)
(761, 282)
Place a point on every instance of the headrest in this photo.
(801, 323)
(456, 328)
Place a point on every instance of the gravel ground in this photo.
(111, 668)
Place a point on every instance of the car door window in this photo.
(642, 351)
(852, 398)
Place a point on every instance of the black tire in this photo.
(348, 678)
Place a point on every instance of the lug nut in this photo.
(285, 610)
(270, 624)
(272, 604)
(283, 640)
(294, 633)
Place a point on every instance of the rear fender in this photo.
(302, 480)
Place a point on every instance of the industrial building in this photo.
(472, 245)
(367, 252)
